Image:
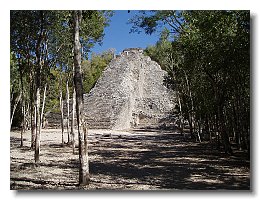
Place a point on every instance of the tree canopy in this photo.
(207, 56)
(55, 51)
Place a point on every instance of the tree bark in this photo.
(84, 177)
(73, 119)
(208, 128)
(43, 104)
(27, 115)
(33, 124)
(23, 125)
(38, 125)
(32, 111)
(61, 110)
(68, 109)
(191, 115)
(23, 102)
(37, 103)
(199, 130)
(223, 128)
(17, 100)
(181, 114)
(38, 89)
(85, 132)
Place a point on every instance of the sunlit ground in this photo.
(133, 160)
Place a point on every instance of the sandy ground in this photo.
(127, 160)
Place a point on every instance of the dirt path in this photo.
(135, 160)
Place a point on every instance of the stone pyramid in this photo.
(129, 93)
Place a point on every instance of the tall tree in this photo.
(29, 38)
(88, 29)
(210, 68)
(61, 109)
(43, 41)
(73, 120)
(84, 177)
(68, 108)
(39, 64)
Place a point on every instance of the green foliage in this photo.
(92, 27)
(208, 64)
(55, 31)
(160, 52)
(151, 21)
(14, 73)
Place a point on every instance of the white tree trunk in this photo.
(17, 100)
(73, 119)
(68, 109)
(61, 110)
(38, 125)
(43, 104)
(84, 177)
(23, 125)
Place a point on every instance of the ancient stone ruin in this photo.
(129, 93)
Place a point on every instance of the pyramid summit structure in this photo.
(129, 93)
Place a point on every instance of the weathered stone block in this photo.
(130, 92)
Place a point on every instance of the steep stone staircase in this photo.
(129, 93)
(130, 87)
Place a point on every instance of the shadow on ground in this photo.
(142, 160)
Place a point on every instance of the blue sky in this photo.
(117, 34)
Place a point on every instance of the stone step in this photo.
(100, 125)
(131, 85)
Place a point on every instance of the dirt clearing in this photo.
(127, 160)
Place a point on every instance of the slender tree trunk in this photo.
(61, 110)
(38, 125)
(237, 137)
(199, 130)
(34, 126)
(24, 119)
(37, 106)
(208, 128)
(239, 124)
(85, 131)
(244, 138)
(73, 119)
(191, 126)
(84, 176)
(220, 121)
(17, 100)
(32, 111)
(23, 125)
(181, 114)
(23, 101)
(223, 128)
(38, 89)
(225, 138)
(217, 130)
(11, 94)
(191, 115)
(68, 109)
(43, 105)
(27, 116)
